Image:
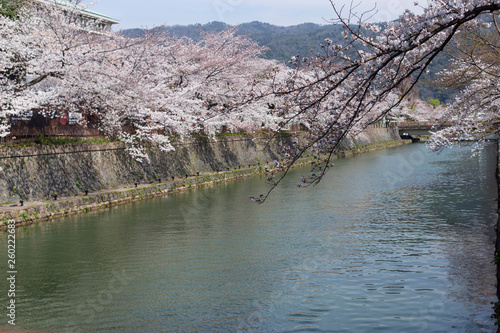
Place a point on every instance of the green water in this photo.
(398, 240)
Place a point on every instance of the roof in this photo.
(84, 11)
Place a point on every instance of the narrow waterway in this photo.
(399, 240)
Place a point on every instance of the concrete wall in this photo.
(42, 171)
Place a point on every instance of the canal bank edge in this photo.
(239, 156)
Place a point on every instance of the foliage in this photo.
(10, 8)
(57, 141)
(434, 102)
(78, 183)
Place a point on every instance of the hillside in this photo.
(283, 42)
(286, 42)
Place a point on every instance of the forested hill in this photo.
(283, 42)
(286, 42)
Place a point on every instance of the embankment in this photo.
(109, 173)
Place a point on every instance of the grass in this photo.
(257, 133)
(78, 183)
(240, 134)
(245, 133)
(64, 140)
(60, 140)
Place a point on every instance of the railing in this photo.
(382, 124)
(33, 124)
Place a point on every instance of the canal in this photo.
(398, 240)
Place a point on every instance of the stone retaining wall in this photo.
(42, 210)
(40, 172)
(109, 173)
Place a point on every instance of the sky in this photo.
(151, 13)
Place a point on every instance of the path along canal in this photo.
(398, 240)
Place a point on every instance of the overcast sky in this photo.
(150, 13)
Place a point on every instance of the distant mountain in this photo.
(285, 42)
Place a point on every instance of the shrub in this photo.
(434, 102)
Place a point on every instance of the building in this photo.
(104, 22)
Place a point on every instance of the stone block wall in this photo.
(40, 172)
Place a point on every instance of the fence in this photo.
(33, 124)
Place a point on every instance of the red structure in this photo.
(32, 124)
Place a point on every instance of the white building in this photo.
(87, 15)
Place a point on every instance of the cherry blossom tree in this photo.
(474, 71)
(141, 89)
(158, 87)
(347, 87)
(41, 49)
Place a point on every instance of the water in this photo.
(398, 240)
